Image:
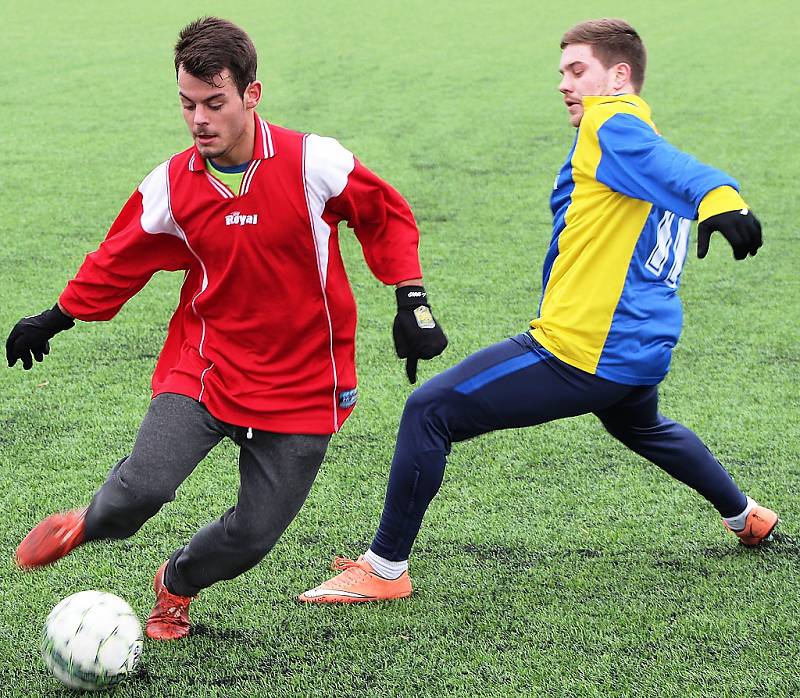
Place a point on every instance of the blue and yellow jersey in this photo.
(622, 209)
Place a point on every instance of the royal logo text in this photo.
(241, 219)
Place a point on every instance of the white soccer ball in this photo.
(91, 640)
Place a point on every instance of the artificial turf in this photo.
(553, 562)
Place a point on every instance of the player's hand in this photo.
(416, 333)
(740, 228)
(30, 338)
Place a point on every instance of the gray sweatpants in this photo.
(276, 472)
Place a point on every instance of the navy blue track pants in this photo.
(517, 383)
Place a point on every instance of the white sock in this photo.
(388, 569)
(737, 522)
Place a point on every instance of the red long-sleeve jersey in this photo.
(264, 332)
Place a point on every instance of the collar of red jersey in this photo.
(263, 148)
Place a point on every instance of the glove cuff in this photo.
(410, 297)
(57, 320)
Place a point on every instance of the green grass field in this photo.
(553, 562)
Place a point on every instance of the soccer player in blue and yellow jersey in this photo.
(608, 319)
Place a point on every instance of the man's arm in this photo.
(384, 225)
(638, 162)
(108, 277)
(143, 239)
(382, 220)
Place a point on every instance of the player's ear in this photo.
(622, 75)
(252, 95)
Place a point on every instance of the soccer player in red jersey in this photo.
(261, 346)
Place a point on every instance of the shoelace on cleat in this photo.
(172, 614)
(66, 533)
(756, 516)
(351, 571)
(66, 529)
(343, 563)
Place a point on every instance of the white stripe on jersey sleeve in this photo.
(326, 166)
(156, 214)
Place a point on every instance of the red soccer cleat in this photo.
(51, 539)
(169, 619)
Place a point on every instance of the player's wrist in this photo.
(720, 200)
(410, 297)
(56, 319)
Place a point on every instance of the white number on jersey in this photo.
(666, 243)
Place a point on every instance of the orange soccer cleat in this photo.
(356, 583)
(169, 619)
(758, 527)
(51, 539)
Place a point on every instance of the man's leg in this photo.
(637, 423)
(509, 385)
(276, 474)
(512, 384)
(176, 433)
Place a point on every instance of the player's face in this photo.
(220, 121)
(582, 75)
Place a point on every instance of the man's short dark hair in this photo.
(209, 45)
(613, 41)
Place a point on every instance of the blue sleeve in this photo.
(639, 163)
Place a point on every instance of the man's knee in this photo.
(142, 489)
(427, 404)
(618, 429)
(253, 536)
(253, 549)
(125, 502)
(632, 431)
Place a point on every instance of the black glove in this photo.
(416, 333)
(30, 337)
(740, 228)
